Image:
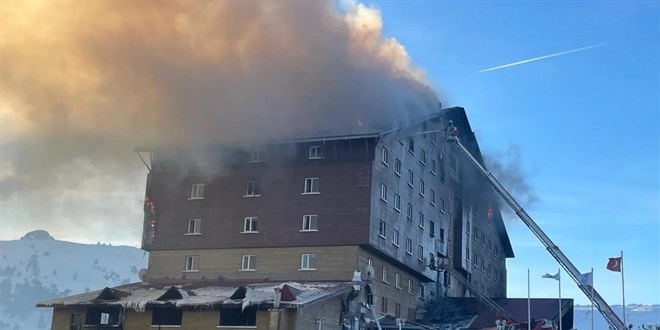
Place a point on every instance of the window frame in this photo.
(195, 193)
(397, 167)
(258, 159)
(383, 192)
(395, 237)
(385, 277)
(307, 220)
(197, 227)
(411, 179)
(311, 186)
(409, 246)
(420, 252)
(384, 156)
(310, 259)
(409, 211)
(397, 280)
(254, 225)
(317, 154)
(251, 263)
(422, 157)
(422, 188)
(251, 189)
(193, 265)
(382, 229)
(397, 203)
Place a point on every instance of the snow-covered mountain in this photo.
(38, 267)
(637, 315)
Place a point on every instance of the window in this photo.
(381, 229)
(483, 269)
(422, 292)
(167, 316)
(310, 222)
(308, 261)
(421, 220)
(191, 264)
(385, 277)
(442, 235)
(383, 192)
(250, 225)
(476, 233)
(441, 169)
(103, 315)
(411, 178)
(409, 246)
(467, 227)
(467, 253)
(447, 279)
(311, 186)
(384, 156)
(433, 166)
(397, 280)
(409, 212)
(475, 260)
(395, 238)
(421, 188)
(420, 253)
(410, 286)
(194, 227)
(442, 205)
(397, 202)
(422, 158)
(397, 310)
(483, 240)
(490, 248)
(251, 189)
(453, 162)
(197, 191)
(315, 152)
(256, 157)
(238, 317)
(431, 228)
(383, 305)
(411, 145)
(490, 274)
(248, 262)
(370, 262)
(432, 195)
(411, 313)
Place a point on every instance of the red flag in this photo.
(614, 264)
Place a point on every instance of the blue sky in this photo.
(587, 123)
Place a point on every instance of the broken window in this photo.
(411, 145)
(103, 316)
(167, 316)
(238, 317)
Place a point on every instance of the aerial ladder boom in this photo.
(589, 290)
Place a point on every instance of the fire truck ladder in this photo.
(495, 308)
(554, 250)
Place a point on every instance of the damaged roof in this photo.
(140, 296)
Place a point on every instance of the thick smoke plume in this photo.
(84, 82)
(506, 167)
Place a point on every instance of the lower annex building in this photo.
(269, 236)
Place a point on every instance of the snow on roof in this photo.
(139, 296)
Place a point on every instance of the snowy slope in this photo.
(637, 315)
(38, 267)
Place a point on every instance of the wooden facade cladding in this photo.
(342, 206)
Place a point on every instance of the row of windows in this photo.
(397, 197)
(249, 262)
(385, 277)
(311, 186)
(309, 224)
(169, 316)
(492, 248)
(396, 237)
(397, 163)
(480, 263)
(313, 152)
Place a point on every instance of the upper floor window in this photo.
(411, 145)
(422, 158)
(441, 170)
(421, 220)
(397, 167)
(433, 166)
(311, 186)
(395, 238)
(385, 277)
(251, 189)
(191, 264)
(310, 222)
(197, 191)
(256, 156)
(442, 235)
(442, 205)
(169, 317)
(397, 202)
(383, 192)
(248, 262)
(411, 178)
(370, 262)
(410, 286)
(308, 261)
(420, 253)
(250, 225)
(384, 156)
(408, 246)
(475, 260)
(397, 280)
(467, 253)
(421, 188)
(432, 197)
(194, 227)
(381, 229)
(432, 228)
(489, 245)
(315, 152)
(467, 227)
(409, 211)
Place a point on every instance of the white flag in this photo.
(587, 279)
(554, 277)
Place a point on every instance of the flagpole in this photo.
(559, 273)
(623, 291)
(592, 298)
(529, 304)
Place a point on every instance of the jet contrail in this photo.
(540, 58)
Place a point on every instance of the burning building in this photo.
(225, 225)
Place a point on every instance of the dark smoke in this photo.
(506, 167)
(82, 83)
